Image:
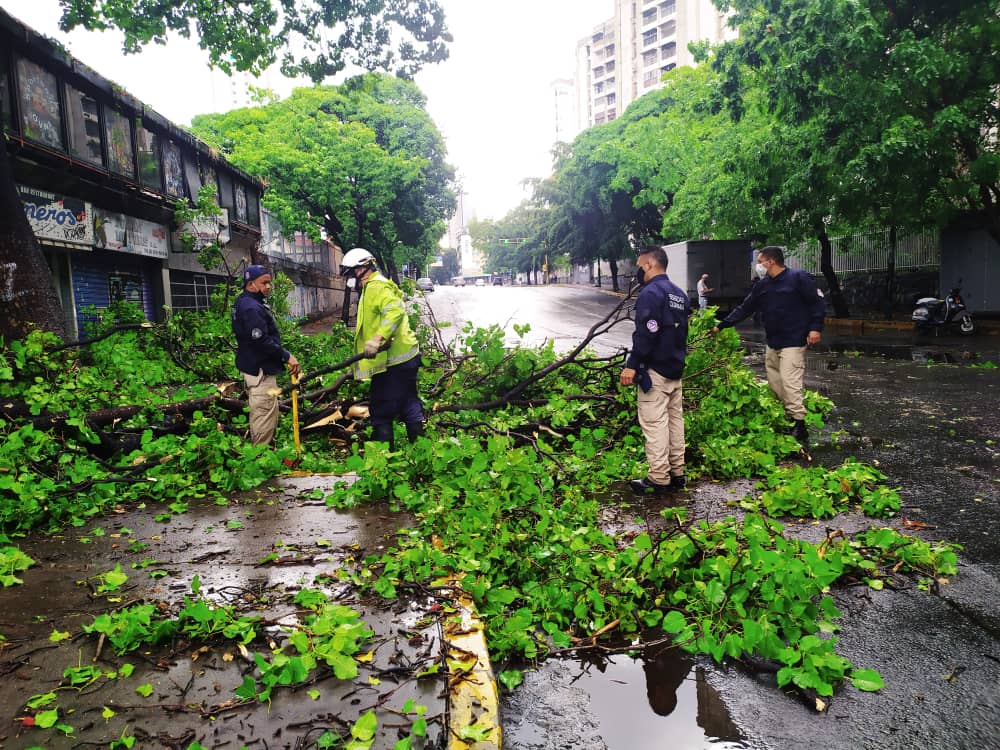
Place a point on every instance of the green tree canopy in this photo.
(316, 38)
(362, 161)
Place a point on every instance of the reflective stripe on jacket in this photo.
(382, 312)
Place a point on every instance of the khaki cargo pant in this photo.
(661, 416)
(263, 407)
(785, 370)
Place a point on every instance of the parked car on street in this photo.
(458, 281)
(425, 285)
(480, 282)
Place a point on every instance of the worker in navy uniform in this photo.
(259, 354)
(656, 364)
(793, 309)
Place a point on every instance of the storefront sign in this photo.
(58, 217)
(109, 229)
(146, 238)
(127, 234)
(208, 229)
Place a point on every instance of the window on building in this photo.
(173, 169)
(671, 66)
(6, 108)
(598, 119)
(38, 95)
(598, 36)
(611, 115)
(668, 8)
(192, 177)
(83, 125)
(669, 51)
(609, 51)
(210, 177)
(649, 37)
(599, 71)
(253, 207)
(668, 29)
(598, 88)
(611, 98)
(610, 67)
(226, 197)
(241, 203)
(125, 287)
(649, 57)
(649, 15)
(148, 146)
(651, 78)
(118, 133)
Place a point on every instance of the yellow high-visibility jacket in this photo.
(382, 312)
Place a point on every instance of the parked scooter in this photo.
(932, 313)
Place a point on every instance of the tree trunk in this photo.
(614, 273)
(345, 311)
(28, 298)
(890, 277)
(832, 282)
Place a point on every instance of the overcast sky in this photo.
(492, 99)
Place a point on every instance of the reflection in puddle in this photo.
(666, 699)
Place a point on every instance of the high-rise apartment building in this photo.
(564, 109)
(627, 55)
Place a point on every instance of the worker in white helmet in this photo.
(392, 356)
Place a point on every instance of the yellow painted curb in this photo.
(472, 690)
(473, 701)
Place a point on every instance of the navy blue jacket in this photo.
(661, 326)
(792, 306)
(257, 339)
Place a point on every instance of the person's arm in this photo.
(647, 326)
(743, 311)
(815, 303)
(256, 322)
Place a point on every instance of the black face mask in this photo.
(640, 276)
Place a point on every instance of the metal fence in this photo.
(869, 251)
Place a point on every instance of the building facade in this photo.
(627, 55)
(99, 174)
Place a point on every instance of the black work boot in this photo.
(414, 430)
(383, 434)
(645, 487)
(800, 433)
(677, 482)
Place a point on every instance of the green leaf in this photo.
(47, 719)
(867, 679)
(145, 690)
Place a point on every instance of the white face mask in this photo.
(761, 271)
(352, 282)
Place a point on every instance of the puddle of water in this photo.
(667, 699)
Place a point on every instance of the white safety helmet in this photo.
(356, 258)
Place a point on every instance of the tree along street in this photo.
(918, 412)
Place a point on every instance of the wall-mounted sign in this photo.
(147, 238)
(109, 229)
(58, 217)
(127, 234)
(208, 229)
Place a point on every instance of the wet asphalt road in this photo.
(930, 420)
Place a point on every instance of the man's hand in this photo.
(372, 346)
(627, 377)
(715, 330)
(294, 367)
(813, 337)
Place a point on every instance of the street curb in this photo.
(472, 690)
